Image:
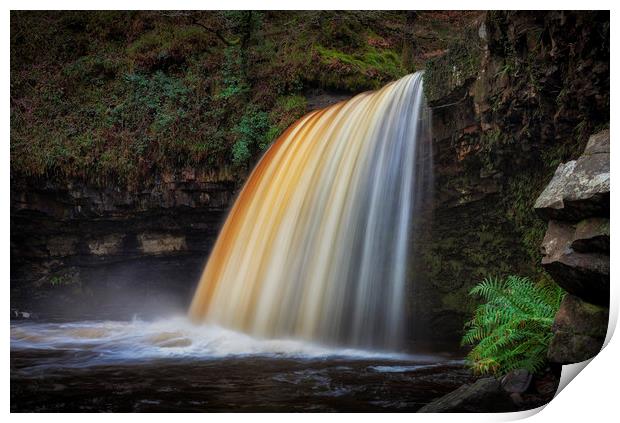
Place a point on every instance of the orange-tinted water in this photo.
(316, 245)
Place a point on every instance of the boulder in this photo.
(579, 331)
(583, 274)
(598, 143)
(579, 188)
(485, 395)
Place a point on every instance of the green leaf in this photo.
(511, 329)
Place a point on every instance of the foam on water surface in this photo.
(130, 341)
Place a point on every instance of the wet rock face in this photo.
(76, 248)
(576, 250)
(579, 331)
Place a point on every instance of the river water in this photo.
(174, 365)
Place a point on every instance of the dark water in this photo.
(175, 366)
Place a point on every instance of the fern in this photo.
(512, 328)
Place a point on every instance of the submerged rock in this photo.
(579, 188)
(484, 395)
(579, 331)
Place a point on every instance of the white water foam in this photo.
(122, 341)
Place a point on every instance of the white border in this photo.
(592, 397)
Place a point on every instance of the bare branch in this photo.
(213, 31)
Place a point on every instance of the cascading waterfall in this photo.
(317, 244)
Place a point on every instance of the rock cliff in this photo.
(576, 250)
(77, 249)
(514, 97)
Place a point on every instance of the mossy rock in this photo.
(445, 76)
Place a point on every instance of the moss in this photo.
(457, 301)
(94, 69)
(521, 194)
(369, 61)
(368, 68)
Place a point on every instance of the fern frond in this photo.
(512, 328)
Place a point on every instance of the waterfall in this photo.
(317, 244)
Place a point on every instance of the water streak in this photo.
(317, 244)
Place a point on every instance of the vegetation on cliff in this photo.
(125, 97)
